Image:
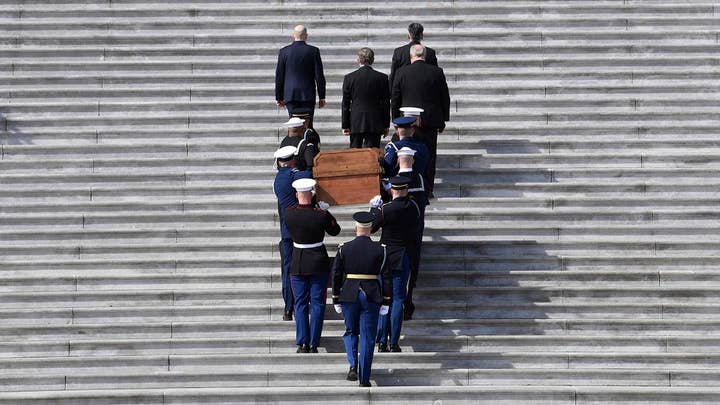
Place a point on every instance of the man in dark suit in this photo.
(401, 55)
(365, 103)
(299, 70)
(423, 85)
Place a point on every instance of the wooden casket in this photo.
(347, 176)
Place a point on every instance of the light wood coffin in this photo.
(348, 176)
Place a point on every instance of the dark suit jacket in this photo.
(401, 57)
(299, 69)
(366, 101)
(422, 85)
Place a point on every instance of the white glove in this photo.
(376, 202)
(384, 309)
(387, 186)
(323, 205)
(338, 308)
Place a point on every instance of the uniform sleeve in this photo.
(302, 174)
(280, 77)
(387, 281)
(311, 150)
(390, 160)
(346, 101)
(338, 275)
(378, 220)
(331, 225)
(319, 76)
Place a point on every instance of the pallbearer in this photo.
(305, 140)
(399, 220)
(405, 130)
(285, 193)
(310, 265)
(360, 296)
(416, 190)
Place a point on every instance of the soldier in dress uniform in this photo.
(410, 112)
(416, 189)
(399, 220)
(405, 130)
(285, 193)
(310, 265)
(310, 133)
(360, 296)
(305, 140)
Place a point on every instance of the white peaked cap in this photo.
(303, 184)
(285, 152)
(411, 111)
(294, 122)
(405, 151)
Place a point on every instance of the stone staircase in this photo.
(571, 258)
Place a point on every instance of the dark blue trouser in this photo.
(286, 248)
(292, 106)
(391, 324)
(310, 295)
(361, 319)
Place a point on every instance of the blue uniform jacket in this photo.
(422, 156)
(285, 193)
(299, 69)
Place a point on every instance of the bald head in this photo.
(417, 51)
(299, 33)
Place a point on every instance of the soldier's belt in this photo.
(362, 276)
(307, 245)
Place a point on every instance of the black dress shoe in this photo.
(383, 348)
(365, 384)
(395, 348)
(287, 316)
(312, 349)
(303, 349)
(352, 374)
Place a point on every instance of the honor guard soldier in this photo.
(306, 141)
(399, 220)
(405, 130)
(285, 193)
(416, 190)
(310, 133)
(360, 296)
(310, 265)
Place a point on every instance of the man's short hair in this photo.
(366, 56)
(417, 51)
(416, 31)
